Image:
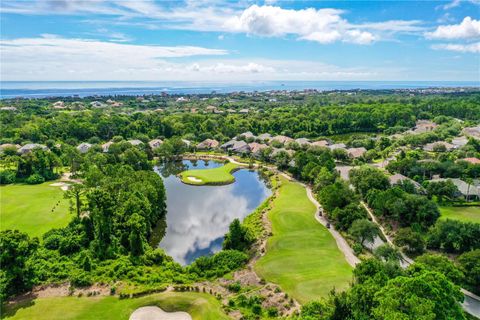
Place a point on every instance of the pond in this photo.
(198, 216)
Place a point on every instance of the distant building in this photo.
(319, 143)
(8, 145)
(8, 109)
(423, 126)
(356, 152)
(302, 141)
(187, 142)
(106, 146)
(155, 143)
(58, 105)
(430, 147)
(256, 148)
(247, 135)
(211, 109)
(236, 146)
(84, 147)
(467, 191)
(208, 144)
(265, 137)
(473, 132)
(459, 141)
(135, 142)
(282, 139)
(97, 104)
(337, 146)
(277, 151)
(399, 178)
(244, 111)
(30, 146)
(471, 160)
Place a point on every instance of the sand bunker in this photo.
(193, 179)
(155, 313)
(64, 186)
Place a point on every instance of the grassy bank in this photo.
(302, 257)
(215, 176)
(198, 305)
(28, 208)
(462, 213)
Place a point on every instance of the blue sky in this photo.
(240, 41)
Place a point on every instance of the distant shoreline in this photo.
(44, 89)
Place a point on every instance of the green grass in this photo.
(198, 305)
(28, 208)
(302, 256)
(215, 176)
(461, 213)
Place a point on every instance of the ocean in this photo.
(40, 89)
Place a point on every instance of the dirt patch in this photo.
(155, 313)
(64, 186)
(193, 179)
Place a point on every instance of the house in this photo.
(243, 111)
(208, 144)
(256, 148)
(114, 103)
(247, 135)
(277, 151)
(467, 191)
(473, 132)
(187, 142)
(356, 152)
(236, 146)
(8, 109)
(30, 146)
(337, 146)
(97, 104)
(231, 111)
(265, 137)
(282, 139)
(106, 146)
(459, 141)
(155, 143)
(436, 145)
(471, 160)
(423, 126)
(211, 109)
(58, 105)
(84, 147)
(319, 143)
(399, 178)
(135, 142)
(302, 141)
(182, 99)
(8, 145)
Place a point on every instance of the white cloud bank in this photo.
(468, 29)
(54, 58)
(464, 48)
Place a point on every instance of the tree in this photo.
(336, 195)
(470, 264)
(441, 263)
(442, 189)
(423, 295)
(363, 230)
(17, 274)
(410, 241)
(136, 238)
(75, 192)
(238, 237)
(367, 178)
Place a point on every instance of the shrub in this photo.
(35, 179)
(234, 287)
(7, 177)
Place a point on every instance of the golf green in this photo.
(199, 305)
(302, 256)
(28, 208)
(215, 176)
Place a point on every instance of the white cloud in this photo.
(468, 29)
(465, 48)
(322, 25)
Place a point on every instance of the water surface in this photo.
(199, 216)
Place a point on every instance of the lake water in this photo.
(198, 216)
(39, 89)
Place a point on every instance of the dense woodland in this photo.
(121, 200)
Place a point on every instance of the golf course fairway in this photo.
(302, 256)
(200, 306)
(28, 208)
